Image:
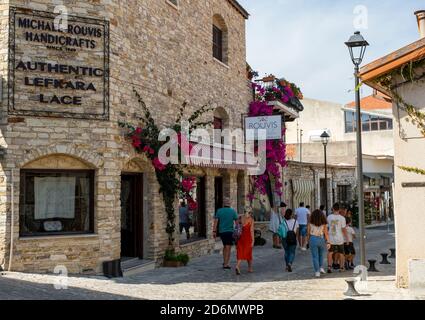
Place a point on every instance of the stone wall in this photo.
(166, 55)
(315, 172)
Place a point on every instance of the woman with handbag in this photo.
(245, 242)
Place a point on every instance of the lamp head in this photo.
(357, 47)
(325, 137)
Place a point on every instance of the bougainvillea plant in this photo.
(283, 91)
(145, 140)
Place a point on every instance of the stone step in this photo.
(131, 267)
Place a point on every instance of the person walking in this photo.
(337, 233)
(245, 243)
(184, 221)
(275, 221)
(318, 238)
(290, 241)
(302, 216)
(225, 218)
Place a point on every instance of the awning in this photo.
(221, 157)
(303, 191)
(372, 175)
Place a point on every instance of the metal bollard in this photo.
(351, 291)
(392, 256)
(384, 259)
(372, 266)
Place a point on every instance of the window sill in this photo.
(50, 237)
(172, 5)
(221, 63)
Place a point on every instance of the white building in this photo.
(304, 143)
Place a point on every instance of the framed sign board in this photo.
(271, 124)
(58, 69)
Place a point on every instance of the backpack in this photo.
(282, 230)
(291, 236)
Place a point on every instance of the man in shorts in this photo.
(225, 218)
(302, 215)
(337, 233)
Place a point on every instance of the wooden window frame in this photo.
(218, 43)
(22, 195)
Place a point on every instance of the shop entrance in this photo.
(218, 192)
(132, 215)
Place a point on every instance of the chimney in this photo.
(420, 15)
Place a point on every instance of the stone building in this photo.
(73, 192)
(304, 182)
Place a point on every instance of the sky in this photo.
(303, 40)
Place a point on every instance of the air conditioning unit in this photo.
(314, 135)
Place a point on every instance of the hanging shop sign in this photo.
(271, 124)
(58, 70)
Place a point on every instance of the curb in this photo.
(379, 225)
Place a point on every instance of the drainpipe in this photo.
(12, 221)
(420, 16)
(315, 195)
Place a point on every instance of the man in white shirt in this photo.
(302, 215)
(337, 233)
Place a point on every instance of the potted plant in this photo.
(173, 260)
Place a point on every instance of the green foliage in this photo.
(413, 170)
(169, 177)
(170, 255)
(407, 72)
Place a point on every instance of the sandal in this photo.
(238, 272)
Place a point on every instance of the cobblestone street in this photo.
(203, 278)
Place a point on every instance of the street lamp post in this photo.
(357, 47)
(325, 140)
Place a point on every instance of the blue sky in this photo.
(303, 40)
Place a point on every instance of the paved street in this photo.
(203, 278)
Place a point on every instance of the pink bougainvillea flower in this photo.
(250, 197)
(136, 142)
(192, 204)
(138, 131)
(158, 164)
(188, 184)
(289, 92)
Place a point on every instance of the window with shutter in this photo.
(217, 43)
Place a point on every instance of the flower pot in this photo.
(172, 264)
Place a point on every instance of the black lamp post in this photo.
(325, 140)
(357, 47)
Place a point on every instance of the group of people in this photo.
(233, 228)
(325, 236)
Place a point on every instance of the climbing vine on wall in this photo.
(409, 75)
(144, 140)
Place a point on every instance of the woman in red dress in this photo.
(246, 241)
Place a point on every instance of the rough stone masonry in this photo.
(162, 51)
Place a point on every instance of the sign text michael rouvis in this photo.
(58, 72)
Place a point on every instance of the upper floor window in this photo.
(220, 39)
(369, 122)
(217, 43)
(174, 3)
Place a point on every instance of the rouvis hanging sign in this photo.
(58, 72)
(271, 125)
